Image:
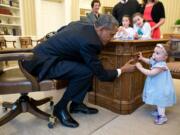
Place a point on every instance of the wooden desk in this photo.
(171, 35)
(123, 95)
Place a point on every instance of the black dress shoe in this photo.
(65, 118)
(76, 108)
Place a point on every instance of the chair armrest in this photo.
(20, 55)
(16, 56)
(22, 50)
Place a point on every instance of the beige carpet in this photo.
(104, 123)
(141, 122)
(27, 124)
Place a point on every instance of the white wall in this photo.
(86, 4)
(50, 16)
(67, 11)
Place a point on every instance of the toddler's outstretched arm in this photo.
(148, 72)
(143, 59)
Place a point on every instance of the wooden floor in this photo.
(103, 123)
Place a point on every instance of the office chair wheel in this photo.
(51, 105)
(4, 109)
(50, 125)
(52, 121)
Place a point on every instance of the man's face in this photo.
(96, 7)
(106, 35)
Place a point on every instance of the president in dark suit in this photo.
(71, 54)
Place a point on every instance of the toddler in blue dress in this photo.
(159, 89)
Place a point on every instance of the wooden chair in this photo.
(25, 42)
(3, 43)
(174, 66)
(18, 80)
(174, 42)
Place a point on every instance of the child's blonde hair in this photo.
(163, 49)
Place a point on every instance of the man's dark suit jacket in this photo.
(77, 42)
(129, 8)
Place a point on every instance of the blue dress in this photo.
(159, 89)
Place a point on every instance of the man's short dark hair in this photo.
(107, 21)
(95, 1)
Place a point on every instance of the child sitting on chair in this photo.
(125, 31)
(159, 89)
(142, 29)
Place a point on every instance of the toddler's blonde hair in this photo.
(161, 46)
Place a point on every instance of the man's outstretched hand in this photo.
(129, 66)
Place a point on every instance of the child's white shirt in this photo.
(129, 33)
(146, 30)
